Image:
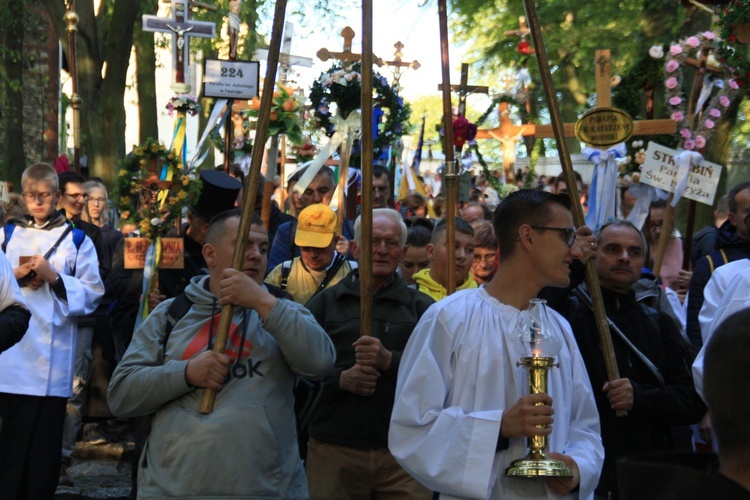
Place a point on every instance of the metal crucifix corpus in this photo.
(182, 28)
(464, 89)
(398, 63)
(346, 56)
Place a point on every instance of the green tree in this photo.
(13, 159)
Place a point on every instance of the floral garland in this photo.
(183, 103)
(142, 166)
(730, 51)
(692, 136)
(305, 151)
(342, 85)
(285, 114)
(629, 167)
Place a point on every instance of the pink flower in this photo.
(733, 85)
(671, 83)
(685, 133)
(674, 101)
(672, 65)
(678, 116)
(693, 42)
(709, 123)
(675, 50)
(708, 36)
(714, 112)
(690, 144)
(700, 141)
(724, 100)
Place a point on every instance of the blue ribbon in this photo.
(603, 200)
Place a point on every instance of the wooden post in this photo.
(207, 404)
(365, 254)
(71, 20)
(450, 182)
(562, 147)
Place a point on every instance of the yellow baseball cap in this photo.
(316, 226)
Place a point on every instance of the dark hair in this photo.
(484, 235)
(486, 212)
(461, 227)
(620, 223)
(414, 200)
(733, 195)
(525, 206)
(65, 178)
(216, 226)
(380, 171)
(658, 204)
(418, 232)
(561, 178)
(725, 379)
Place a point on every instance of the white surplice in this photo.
(457, 375)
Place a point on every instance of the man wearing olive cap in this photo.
(319, 264)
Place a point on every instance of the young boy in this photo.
(57, 269)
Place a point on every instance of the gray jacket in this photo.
(245, 448)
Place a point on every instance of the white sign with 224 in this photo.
(231, 79)
(660, 170)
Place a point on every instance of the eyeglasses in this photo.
(37, 196)
(488, 258)
(78, 196)
(97, 201)
(569, 234)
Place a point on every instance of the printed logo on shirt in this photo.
(234, 338)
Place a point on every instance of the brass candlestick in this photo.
(537, 343)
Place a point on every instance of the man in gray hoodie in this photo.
(247, 447)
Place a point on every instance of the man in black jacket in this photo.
(348, 452)
(732, 243)
(657, 392)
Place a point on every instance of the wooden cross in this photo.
(523, 30)
(182, 28)
(398, 64)
(509, 136)
(346, 56)
(464, 89)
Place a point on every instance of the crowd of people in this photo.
(429, 400)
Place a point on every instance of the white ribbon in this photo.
(645, 195)
(342, 130)
(685, 160)
(603, 200)
(216, 114)
(708, 86)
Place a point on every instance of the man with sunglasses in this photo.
(462, 411)
(655, 385)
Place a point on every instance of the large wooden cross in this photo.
(464, 89)
(509, 136)
(181, 27)
(346, 56)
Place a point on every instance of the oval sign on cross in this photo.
(604, 127)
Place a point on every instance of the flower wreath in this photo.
(140, 171)
(183, 103)
(730, 50)
(691, 136)
(342, 85)
(285, 114)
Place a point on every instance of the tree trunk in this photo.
(145, 63)
(13, 157)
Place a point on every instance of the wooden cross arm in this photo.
(650, 127)
(507, 133)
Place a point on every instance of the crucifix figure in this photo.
(464, 89)
(346, 56)
(509, 136)
(182, 28)
(398, 64)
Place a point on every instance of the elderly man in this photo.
(319, 264)
(433, 281)
(463, 412)
(248, 446)
(655, 385)
(348, 453)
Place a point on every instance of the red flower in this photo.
(463, 131)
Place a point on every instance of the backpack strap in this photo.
(711, 266)
(286, 268)
(723, 256)
(177, 309)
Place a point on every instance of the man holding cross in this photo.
(348, 451)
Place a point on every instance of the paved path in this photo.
(99, 472)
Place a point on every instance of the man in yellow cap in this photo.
(319, 264)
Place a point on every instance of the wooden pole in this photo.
(562, 147)
(256, 160)
(449, 176)
(71, 20)
(365, 254)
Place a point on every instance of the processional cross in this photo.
(398, 63)
(346, 55)
(181, 27)
(464, 89)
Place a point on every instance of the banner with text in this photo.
(660, 170)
